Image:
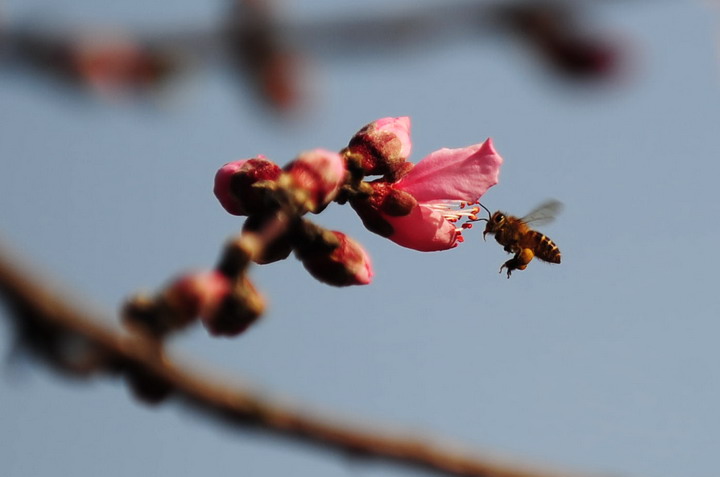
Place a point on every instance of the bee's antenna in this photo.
(486, 209)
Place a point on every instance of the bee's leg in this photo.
(512, 247)
(519, 261)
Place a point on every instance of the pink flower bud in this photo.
(348, 264)
(384, 145)
(318, 173)
(198, 294)
(385, 201)
(237, 188)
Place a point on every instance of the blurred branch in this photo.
(74, 340)
(255, 44)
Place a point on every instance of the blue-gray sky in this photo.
(607, 362)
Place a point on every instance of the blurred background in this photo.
(114, 117)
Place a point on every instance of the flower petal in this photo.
(424, 229)
(454, 174)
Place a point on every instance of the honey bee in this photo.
(517, 237)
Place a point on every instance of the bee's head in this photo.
(494, 223)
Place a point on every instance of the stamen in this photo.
(456, 210)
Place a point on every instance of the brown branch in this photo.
(44, 318)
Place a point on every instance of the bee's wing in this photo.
(544, 213)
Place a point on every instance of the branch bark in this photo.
(47, 322)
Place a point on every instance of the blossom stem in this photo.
(255, 241)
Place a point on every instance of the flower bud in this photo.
(384, 201)
(276, 248)
(368, 209)
(347, 264)
(178, 305)
(384, 145)
(245, 187)
(198, 294)
(317, 176)
(237, 311)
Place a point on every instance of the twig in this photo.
(36, 307)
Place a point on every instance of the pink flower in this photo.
(421, 210)
(348, 264)
(318, 174)
(235, 184)
(383, 145)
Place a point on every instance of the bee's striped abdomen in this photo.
(544, 248)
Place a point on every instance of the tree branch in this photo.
(75, 340)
